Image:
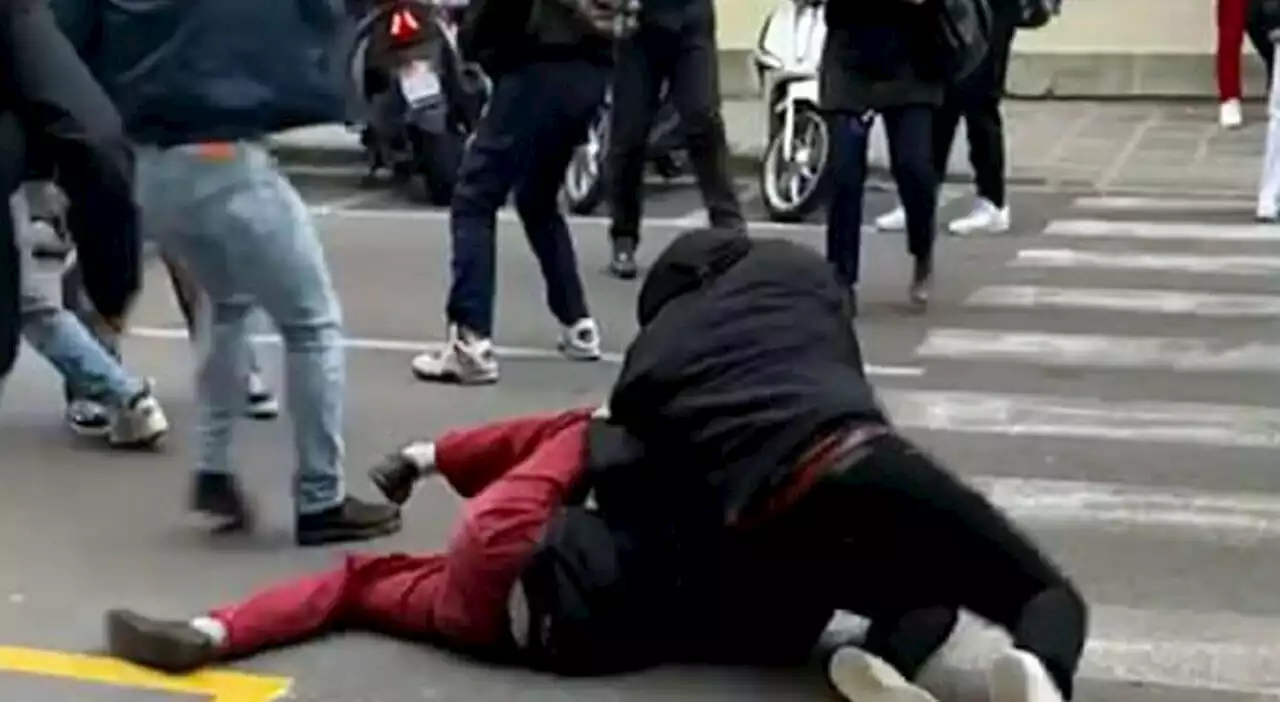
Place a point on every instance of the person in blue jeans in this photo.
(550, 76)
(200, 107)
(132, 415)
(879, 60)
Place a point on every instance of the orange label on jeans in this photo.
(217, 150)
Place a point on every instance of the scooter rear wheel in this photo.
(794, 188)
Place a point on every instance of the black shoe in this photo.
(623, 263)
(394, 477)
(218, 496)
(353, 520)
(169, 646)
(921, 283)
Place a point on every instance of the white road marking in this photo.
(1137, 261)
(1241, 517)
(1101, 351)
(1122, 229)
(345, 202)
(1187, 302)
(1166, 204)
(1012, 414)
(510, 352)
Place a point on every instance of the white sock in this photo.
(214, 629)
(422, 454)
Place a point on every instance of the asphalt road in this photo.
(1148, 467)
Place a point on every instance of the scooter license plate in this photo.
(418, 82)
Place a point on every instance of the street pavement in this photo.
(1109, 371)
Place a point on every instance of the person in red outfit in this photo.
(516, 475)
(1232, 28)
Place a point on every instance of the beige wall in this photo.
(1086, 26)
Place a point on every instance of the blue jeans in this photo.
(246, 237)
(538, 115)
(60, 337)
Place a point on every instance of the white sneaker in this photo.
(140, 424)
(1268, 215)
(861, 677)
(1018, 676)
(260, 402)
(465, 360)
(581, 340)
(1230, 116)
(894, 220)
(985, 217)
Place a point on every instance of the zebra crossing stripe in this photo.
(1122, 229)
(1127, 300)
(1101, 351)
(1165, 204)
(1053, 416)
(1142, 261)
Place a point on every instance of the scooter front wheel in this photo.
(794, 187)
(584, 180)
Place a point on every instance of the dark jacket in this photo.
(50, 105)
(183, 71)
(878, 55)
(1264, 19)
(503, 35)
(746, 354)
(679, 15)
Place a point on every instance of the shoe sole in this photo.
(859, 679)
(454, 379)
(337, 535)
(623, 275)
(149, 442)
(138, 640)
(262, 410)
(1010, 681)
(575, 354)
(89, 432)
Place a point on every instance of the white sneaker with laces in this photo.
(1230, 116)
(894, 220)
(1019, 676)
(861, 677)
(580, 341)
(985, 217)
(140, 424)
(465, 360)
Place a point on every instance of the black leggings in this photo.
(906, 544)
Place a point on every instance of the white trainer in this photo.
(1230, 115)
(1019, 676)
(465, 360)
(139, 424)
(985, 217)
(894, 220)
(861, 677)
(580, 341)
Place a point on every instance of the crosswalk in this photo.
(1147, 322)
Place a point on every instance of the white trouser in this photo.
(1269, 186)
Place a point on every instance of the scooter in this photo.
(421, 98)
(586, 178)
(795, 171)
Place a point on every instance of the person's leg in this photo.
(580, 89)
(1230, 16)
(910, 133)
(497, 157)
(637, 84)
(848, 178)
(966, 554)
(980, 103)
(694, 77)
(1268, 208)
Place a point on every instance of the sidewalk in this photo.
(1077, 145)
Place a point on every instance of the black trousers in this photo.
(903, 542)
(977, 101)
(685, 62)
(910, 132)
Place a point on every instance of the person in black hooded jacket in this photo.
(769, 425)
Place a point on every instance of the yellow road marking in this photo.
(220, 685)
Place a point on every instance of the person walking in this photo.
(1231, 16)
(673, 47)
(215, 200)
(880, 59)
(549, 61)
(1264, 20)
(976, 101)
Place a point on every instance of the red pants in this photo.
(516, 474)
(1231, 15)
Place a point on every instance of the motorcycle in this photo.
(795, 170)
(420, 97)
(587, 177)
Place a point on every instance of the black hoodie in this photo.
(746, 354)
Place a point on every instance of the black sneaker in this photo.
(218, 497)
(169, 646)
(623, 263)
(394, 477)
(88, 418)
(353, 520)
(921, 283)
